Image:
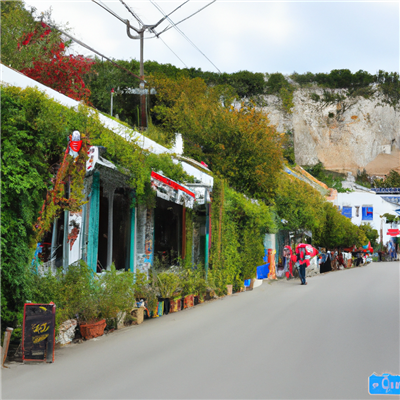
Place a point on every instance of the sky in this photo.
(231, 36)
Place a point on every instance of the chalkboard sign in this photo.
(38, 334)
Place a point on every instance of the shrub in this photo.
(167, 283)
(116, 293)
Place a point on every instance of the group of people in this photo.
(300, 260)
(331, 260)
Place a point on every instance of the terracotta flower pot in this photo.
(92, 330)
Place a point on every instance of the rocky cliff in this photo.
(345, 135)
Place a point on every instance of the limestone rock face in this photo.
(344, 136)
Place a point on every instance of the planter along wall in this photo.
(92, 330)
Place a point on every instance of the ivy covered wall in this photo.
(238, 228)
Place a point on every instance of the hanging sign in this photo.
(393, 232)
(172, 191)
(38, 332)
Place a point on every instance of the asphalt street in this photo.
(281, 340)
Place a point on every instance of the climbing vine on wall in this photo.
(189, 238)
(34, 138)
(239, 225)
(70, 175)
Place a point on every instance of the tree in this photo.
(59, 71)
(389, 84)
(39, 52)
(337, 231)
(23, 38)
(298, 205)
(371, 234)
(392, 180)
(237, 143)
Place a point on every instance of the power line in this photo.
(134, 14)
(169, 27)
(182, 33)
(153, 30)
(173, 52)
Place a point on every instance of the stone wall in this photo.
(344, 136)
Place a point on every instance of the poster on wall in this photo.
(38, 332)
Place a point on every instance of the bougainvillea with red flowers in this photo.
(58, 70)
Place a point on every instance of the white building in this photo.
(364, 206)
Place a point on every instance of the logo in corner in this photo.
(385, 384)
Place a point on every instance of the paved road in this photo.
(282, 340)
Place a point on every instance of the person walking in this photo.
(301, 259)
(304, 252)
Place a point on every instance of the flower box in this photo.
(188, 301)
(92, 330)
(175, 305)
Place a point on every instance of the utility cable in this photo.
(134, 14)
(182, 33)
(169, 27)
(141, 22)
(176, 55)
(153, 30)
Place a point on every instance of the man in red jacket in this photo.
(303, 253)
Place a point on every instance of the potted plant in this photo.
(175, 303)
(116, 296)
(79, 295)
(200, 287)
(91, 324)
(151, 301)
(167, 284)
(188, 285)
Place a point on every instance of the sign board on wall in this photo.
(38, 332)
(393, 232)
(170, 190)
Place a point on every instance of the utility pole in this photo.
(140, 35)
(143, 113)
